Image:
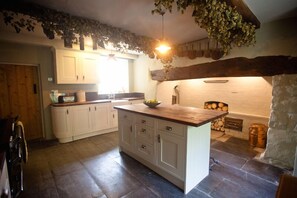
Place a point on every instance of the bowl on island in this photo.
(152, 103)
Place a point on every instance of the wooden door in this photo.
(20, 96)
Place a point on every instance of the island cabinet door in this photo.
(126, 131)
(171, 153)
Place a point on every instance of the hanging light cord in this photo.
(162, 13)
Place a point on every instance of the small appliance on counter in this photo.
(54, 95)
(81, 96)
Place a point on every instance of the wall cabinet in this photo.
(80, 121)
(73, 67)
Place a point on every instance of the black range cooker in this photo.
(12, 141)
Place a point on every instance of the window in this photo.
(113, 76)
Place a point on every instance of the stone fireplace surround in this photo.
(282, 121)
(282, 132)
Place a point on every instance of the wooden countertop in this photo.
(65, 104)
(185, 115)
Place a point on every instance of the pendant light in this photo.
(163, 47)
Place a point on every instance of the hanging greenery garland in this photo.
(66, 26)
(221, 21)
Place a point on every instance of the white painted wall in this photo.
(249, 98)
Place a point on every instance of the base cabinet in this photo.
(127, 132)
(178, 152)
(62, 123)
(80, 121)
(171, 154)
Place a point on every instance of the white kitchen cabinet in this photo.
(73, 67)
(136, 101)
(62, 123)
(100, 116)
(178, 152)
(114, 118)
(81, 119)
(126, 131)
(171, 150)
(144, 147)
(89, 64)
(114, 113)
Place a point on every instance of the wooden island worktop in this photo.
(172, 140)
(184, 115)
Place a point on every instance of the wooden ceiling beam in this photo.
(244, 10)
(234, 67)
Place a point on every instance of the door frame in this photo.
(39, 89)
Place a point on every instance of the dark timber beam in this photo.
(234, 67)
(244, 10)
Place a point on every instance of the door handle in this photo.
(159, 138)
(34, 88)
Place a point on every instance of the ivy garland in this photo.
(222, 22)
(67, 26)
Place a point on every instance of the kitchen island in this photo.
(172, 140)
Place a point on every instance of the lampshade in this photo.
(163, 46)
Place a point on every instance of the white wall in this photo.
(245, 95)
(249, 98)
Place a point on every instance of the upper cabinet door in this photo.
(74, 67)
(89, 64)
(67, 68)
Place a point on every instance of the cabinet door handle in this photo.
(95, 108)
(143, 130)
(67, 112)
(76, 77)
(83, 77)
(131, 128)
(113, 115)
(159, 138)
(143, 121)
(168, 128)
(89, 108)
(143, 146)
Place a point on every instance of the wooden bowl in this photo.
(152, 105)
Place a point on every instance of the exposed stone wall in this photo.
(282, 132)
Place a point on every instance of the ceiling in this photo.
(135, 16)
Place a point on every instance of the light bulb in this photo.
(163, 47)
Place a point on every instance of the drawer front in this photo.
(145, 132)
(145, 120)
(172, 128)
(145, 150)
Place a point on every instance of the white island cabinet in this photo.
(173, 141)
